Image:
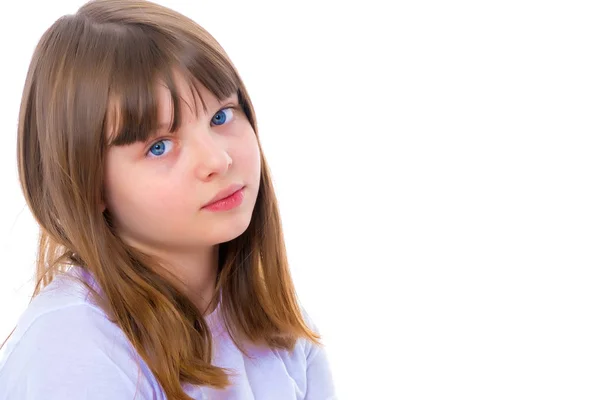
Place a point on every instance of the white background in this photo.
(437, 165)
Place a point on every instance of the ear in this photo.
(102, 206)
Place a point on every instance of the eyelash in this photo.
(232, 108)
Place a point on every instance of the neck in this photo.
(196, 274)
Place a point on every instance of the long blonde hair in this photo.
(87, 69)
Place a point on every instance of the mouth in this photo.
(226, 199)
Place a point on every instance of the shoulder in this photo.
(65, 347)
(309, 348)
(319, 378)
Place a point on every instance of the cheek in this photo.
(247, 155)
(157, 198)
(133, 198)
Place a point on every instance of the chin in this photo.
(229, 230)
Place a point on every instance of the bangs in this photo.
(146, 58)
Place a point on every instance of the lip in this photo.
(223, 194)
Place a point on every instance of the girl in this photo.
(162, 271)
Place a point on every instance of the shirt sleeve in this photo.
(319, 379)
(75, 353)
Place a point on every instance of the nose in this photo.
(209, 156)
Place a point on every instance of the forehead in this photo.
(161, 106)
(195, 98)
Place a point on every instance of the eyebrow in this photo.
(165, 126)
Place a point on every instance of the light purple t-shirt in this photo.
(64, 347)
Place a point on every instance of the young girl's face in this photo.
(157, 192)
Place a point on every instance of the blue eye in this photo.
(159, 148)
(221, 116)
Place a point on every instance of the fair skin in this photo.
(156, 191)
